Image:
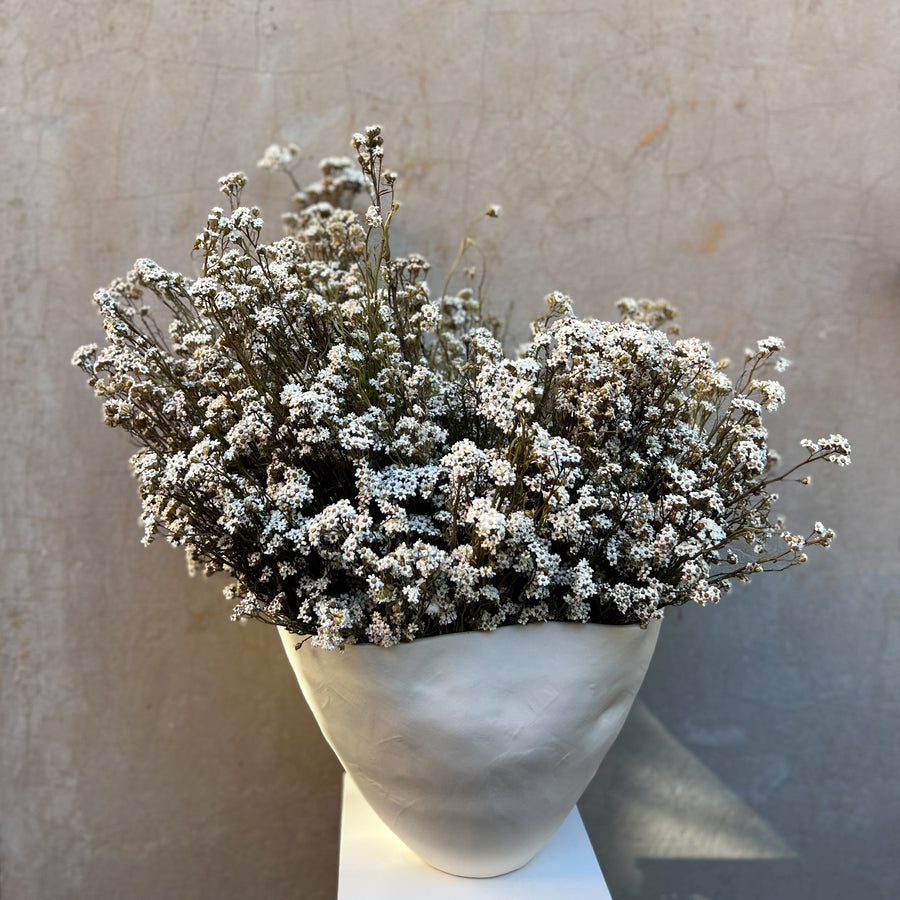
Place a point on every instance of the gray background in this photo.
(739, 159)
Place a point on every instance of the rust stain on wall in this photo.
(648, 137)
(201, 619)
(414, 168)
(707, 242)
(725, 333)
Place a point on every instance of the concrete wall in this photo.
(739, 159)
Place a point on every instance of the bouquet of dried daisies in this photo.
(368, 465)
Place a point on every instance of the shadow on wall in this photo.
(666, 827)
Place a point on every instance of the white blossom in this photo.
(368, 464)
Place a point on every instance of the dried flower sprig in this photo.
(369, 465)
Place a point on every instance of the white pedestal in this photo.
(377, 865)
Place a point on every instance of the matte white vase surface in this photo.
(474, 747)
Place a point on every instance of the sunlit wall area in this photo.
(739, 160)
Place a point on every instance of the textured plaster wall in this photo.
(740, 159)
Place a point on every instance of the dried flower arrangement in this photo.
(369, 466)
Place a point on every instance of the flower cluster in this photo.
(370, 466)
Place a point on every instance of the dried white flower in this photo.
(373, 217)
(278, 157)
(368, 464)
